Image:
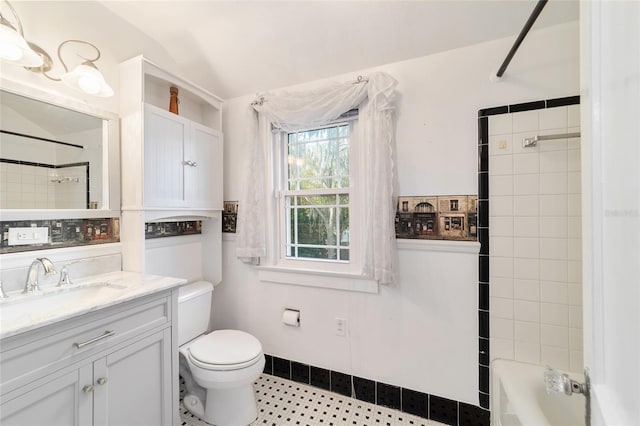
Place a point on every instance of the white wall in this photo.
(422, 333)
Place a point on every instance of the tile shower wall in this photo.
(535, 238)
(25, 185)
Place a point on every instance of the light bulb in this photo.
(14, 48)
(10, 52)
(89, 84)
(88, 79)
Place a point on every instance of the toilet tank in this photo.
(194, 310)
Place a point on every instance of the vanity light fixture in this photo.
(85, 77)
(13, 46)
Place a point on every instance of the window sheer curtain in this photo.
(291, 111)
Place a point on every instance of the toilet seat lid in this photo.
(225, 347)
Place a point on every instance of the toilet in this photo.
(218, 368)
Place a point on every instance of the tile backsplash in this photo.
(64, 233)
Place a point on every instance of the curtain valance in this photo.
(291, 111)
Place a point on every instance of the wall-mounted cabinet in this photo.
(183, 162)
(171, 164)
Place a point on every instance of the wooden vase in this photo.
(173, 100)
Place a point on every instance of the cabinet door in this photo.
(204, 172)
(133, 384)
(165, 135)
(52, 401)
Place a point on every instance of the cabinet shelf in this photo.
(172, 165)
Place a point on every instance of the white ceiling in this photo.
(236, 48)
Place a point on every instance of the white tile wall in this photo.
(535, 239)
(30, 187)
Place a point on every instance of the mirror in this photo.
(56, 156)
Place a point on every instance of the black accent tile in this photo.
(470, 415)
(527, 106)
(483, 296)
(493, 111)
(388, 395)
(483, 351)
(341, 383)
(365, 389)
(483, 321)
(483, 131)
(320, 377)
(483, 158)
(443, 410)
(416, 403)
(483, 212)
(483, 379)
(268, 364)
(569, 100)
(281, 367)
(484, 400)
(299, 372)
(483, 238)
(483, 186)
(483, 268)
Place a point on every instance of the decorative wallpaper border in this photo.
(172, 229)
(443, 217)
(229, 216)
(64, 233)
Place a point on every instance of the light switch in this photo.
(25, 236)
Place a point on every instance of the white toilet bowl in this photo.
(219, 369)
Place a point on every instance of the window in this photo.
(317, 200)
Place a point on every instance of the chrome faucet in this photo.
(64, 276)
(31, 285)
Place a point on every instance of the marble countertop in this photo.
(23, 312)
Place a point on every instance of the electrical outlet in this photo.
(341, 326)
(24, 236)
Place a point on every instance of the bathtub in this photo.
(519, 397)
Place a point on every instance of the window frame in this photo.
(280, 163)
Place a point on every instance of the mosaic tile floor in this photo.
(282, 402)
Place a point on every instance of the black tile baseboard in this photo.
(341, 383)
(388, 395)
(282, 368)
(320, 378)
(406, 400)
(300, 372)
(364, 389)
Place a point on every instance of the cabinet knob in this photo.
(101, 381)
(195, 164)
(87, 389)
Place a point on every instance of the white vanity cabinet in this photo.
(182, 162)
(114, 366)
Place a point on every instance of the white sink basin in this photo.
(24, 306)
(23, 312)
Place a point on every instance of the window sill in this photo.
(320, 279)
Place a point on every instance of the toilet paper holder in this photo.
(291, 317)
